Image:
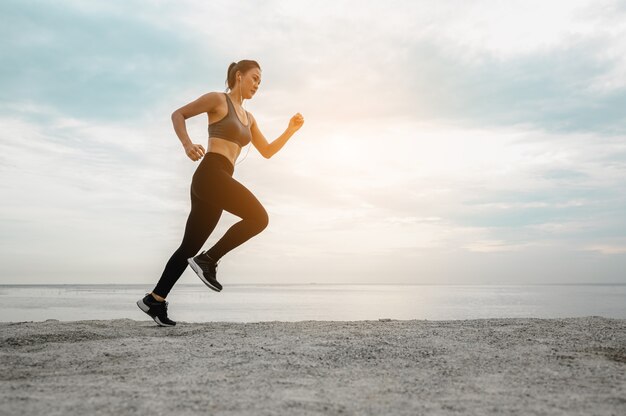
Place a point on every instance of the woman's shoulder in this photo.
(216, 94)
(213, 101)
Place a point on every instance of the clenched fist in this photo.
(194, 151)
(296, 122)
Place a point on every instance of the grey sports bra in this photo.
(230, 127)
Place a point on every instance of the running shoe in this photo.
(206, 269)
(156, 310)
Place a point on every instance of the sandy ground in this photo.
(574, 366)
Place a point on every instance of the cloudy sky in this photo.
(449, 142)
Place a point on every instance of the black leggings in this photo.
(213, 189)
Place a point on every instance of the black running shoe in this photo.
(156, 310)
(206, 269)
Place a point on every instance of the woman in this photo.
(213, 188)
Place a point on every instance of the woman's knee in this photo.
(261, 220)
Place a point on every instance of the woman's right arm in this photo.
(204, 104)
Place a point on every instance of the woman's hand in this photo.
(194, 151)
(296, 122)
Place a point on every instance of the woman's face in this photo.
(250, 83)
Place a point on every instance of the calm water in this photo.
(252, 303)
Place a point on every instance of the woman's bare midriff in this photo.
(225, 148)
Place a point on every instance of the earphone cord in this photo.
(244, 158)
(249, 144)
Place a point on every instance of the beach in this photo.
(569, 366)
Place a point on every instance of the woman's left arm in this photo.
(268, 150)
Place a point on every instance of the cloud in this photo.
(607, 248)
(483, 132)
(96, 62)
(556, 67)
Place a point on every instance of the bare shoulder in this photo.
(206, 103)
(212, 101)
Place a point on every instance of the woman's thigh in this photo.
(224, 192)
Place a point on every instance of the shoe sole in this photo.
(200, 274)
(145, 308)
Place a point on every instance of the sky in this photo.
(450, 142)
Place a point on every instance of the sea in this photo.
(322, 302)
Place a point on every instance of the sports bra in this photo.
(230, 127)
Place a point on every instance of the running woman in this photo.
(213, 188)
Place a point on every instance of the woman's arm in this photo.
(204, 104)
(268, 150)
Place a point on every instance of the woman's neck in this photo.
(236, 99)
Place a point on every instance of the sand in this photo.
(574, 366)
